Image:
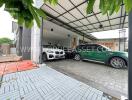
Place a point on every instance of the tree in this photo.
(5, 40)
(25, 12)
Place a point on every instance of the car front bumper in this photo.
(55, 56)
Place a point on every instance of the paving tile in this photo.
(45, 83)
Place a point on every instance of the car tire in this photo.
(44, 57)
(77, 57)
(117, 62)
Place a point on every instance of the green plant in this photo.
(25, 12)
(110, 6)
(5, 40)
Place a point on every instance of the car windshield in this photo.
(108, 49)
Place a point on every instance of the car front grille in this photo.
(57, 52)
(61, 52)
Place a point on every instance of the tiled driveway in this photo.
(105, 78)
(45, 83)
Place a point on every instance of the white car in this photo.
(51, 52)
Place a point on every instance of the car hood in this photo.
(52, 49)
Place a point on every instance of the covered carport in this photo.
(71, 15)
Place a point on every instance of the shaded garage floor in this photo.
(109, 80)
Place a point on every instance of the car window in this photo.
(89, 48)
(81, 47)
(103, 48)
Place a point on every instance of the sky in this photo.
(6, 28)
(109, 34)
(5, 24)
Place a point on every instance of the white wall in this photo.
(59, 35)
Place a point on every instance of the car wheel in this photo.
(44, 57)
(77, 57)
(117, 62)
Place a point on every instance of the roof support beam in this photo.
(121, 15)
(109, 21)
(124, 20)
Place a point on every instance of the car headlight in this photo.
(49, 51)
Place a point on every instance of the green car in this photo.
(100, 53)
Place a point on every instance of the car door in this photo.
(88, 52)
(82, 51)
(92, 52)
(101, 53)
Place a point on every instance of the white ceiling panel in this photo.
(77, 2)
(96, 25)
(57, 8)
(90, 26)
(76, 13)
(115, 27)
(102, 17)
(96, 6)
(126, 25)
(92, 19)
(69, 16)
(47, 9)
(100, 29)
(73, 25)
(115, 21)
(84, 31)
(82, 8)
(84, 21)
(106, 23)
(94, 30)
(66, 4)
(79, 28)
(126, 20)
(107, 28)
(84, 28)
(78, 23)
(63, 19)
(88, 31)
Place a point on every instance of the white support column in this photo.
(78, 40)
(35, 43)
(35, 37)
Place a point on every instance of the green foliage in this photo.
(5, 40)
(25, 12)
(54, 2)
(110, 6)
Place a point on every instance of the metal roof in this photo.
(71, 14)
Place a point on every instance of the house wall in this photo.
(60, 35)
(113, 44)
